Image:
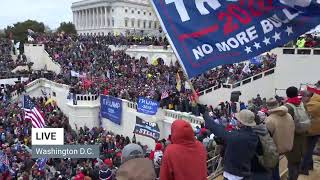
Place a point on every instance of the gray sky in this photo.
(50, 12)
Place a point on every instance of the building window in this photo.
(126, 22)
(150, 14)
(126, 10)
(112, 22)
(138, 23)
(108, 22)
(150, 24)
(144, 13)
(112, 10)
(138, 12)
(132, 23)
(144, 24)
(155, 25)
(132, 11)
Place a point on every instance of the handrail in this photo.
(238, 83)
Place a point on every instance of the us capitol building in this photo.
(100, 17)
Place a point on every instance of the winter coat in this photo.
(299, 143)
(313, 109)
(186, 157)
(281, 127)
(240, 147)
(136, 169)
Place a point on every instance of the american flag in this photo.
(164, 95)
(32, 113)
(4, 159)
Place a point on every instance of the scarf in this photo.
(295, 101)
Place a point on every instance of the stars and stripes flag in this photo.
(164, 95)
(4, 159)
(32, 113)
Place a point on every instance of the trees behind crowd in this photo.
(67, 27)
(19, 30)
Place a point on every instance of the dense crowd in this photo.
(306, 41)
(7, 63)
(230, 74)
(15, 143)
(248, 125)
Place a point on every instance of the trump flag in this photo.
(208, 33)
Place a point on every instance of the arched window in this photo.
(132, 23)
(138, 23)
(126, 22)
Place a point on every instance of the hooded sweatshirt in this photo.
(281, 127)
(186, 157)
(313, 108)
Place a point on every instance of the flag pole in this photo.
(174, 50)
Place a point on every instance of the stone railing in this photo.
(253, 78)
(150, 47)
(183, 115)
(301, 51)
(55, 62)
(173, 114)
(240, 83)
(34, 45)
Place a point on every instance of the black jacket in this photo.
(241, 146)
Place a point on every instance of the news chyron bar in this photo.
(49, 143)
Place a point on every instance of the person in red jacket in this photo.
(186, 157)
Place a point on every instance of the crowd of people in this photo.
(7, 62)
(306, 41)
(230, 74)
(262, 130)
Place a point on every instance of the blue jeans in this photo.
(307, 162)
(276, 173)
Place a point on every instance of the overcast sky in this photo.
(50, 12)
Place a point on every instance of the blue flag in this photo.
(111, 108)
(208, 33)
(41, 162)
(147, 106)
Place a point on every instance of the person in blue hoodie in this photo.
(240, 145)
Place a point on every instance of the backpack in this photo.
(301, 119)
(270, 156)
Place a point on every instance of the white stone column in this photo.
(101, 17)
(85, 19)
(94, 17)
(80, 19)
(105, 17)
(75, 19)
(98, 17)
(91, 18)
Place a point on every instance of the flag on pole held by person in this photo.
(32, 113)
(207, 34)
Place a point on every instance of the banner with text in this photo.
(209, 33)
(147, 106)
(148, 129)
(111, 108)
